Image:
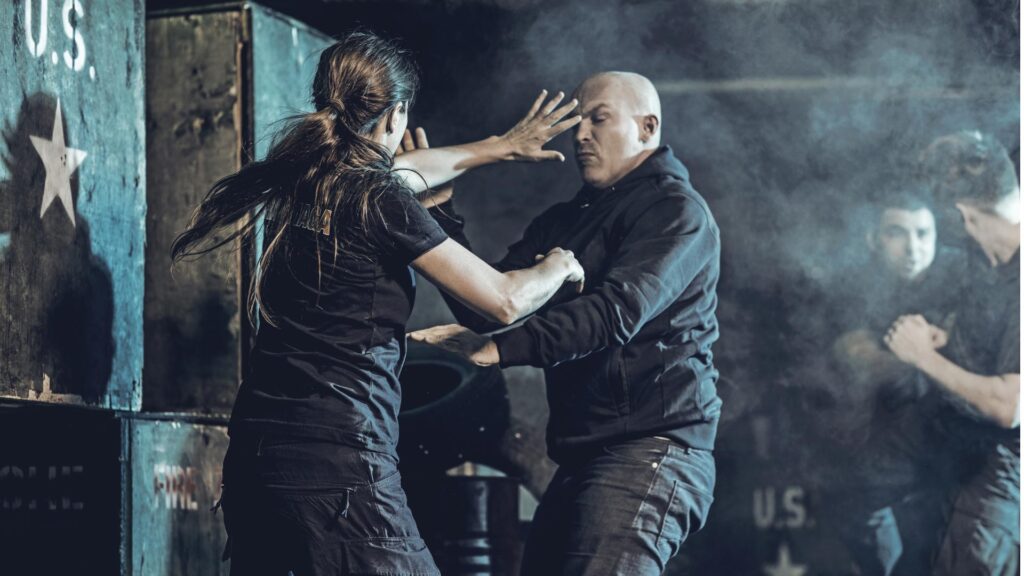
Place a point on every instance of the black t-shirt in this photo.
(985, 340)
(328, 367)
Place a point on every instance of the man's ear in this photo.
(649, 126)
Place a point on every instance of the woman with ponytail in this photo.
(311, 484)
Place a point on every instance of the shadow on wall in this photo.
(56, 296)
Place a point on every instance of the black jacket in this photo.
(631, 356)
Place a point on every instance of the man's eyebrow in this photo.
(595, 108)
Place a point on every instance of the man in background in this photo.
(976, 364)
(892, 497)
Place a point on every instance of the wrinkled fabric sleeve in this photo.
(666, 248)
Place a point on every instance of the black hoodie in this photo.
(631, 355)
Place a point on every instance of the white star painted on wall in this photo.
(784, 568)
(60, 163)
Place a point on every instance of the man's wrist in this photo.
(491, 354)
(515, 347)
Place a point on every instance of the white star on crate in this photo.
(784, 568)
(60, 163)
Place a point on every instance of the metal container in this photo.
(86, 491)
(175, 481)
(470, 523)
(72, 188)
(217, 80)
(62, 476)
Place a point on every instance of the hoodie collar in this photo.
(661, 162)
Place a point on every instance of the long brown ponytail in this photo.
(325, 158)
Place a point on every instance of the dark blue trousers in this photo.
(300, 507)
(621, 509)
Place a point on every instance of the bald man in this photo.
(628, 363)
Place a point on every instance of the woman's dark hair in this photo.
(325, 158)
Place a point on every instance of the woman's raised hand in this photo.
(544, 121)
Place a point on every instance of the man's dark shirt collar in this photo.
(661, 162)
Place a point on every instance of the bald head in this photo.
(621, 126)
(636, 92)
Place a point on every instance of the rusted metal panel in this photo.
(176, 478)
(194, 137)
(218, 80)
(72, 202)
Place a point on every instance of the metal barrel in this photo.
(471, 524)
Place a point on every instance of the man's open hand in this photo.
(479, 350)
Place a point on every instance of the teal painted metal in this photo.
(72, 202)
(176, 478)
(285, 54)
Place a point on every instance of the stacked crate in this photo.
(218, 81)
(116, 123)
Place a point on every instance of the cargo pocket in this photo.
(390, 556)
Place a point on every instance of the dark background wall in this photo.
(784, 112)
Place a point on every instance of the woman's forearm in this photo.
(429, 167)
(500, 297)
(528, 289)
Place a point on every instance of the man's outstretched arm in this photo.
(996, 398)
(667, 248)
(664, 251)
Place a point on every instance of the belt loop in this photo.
(259, 445)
